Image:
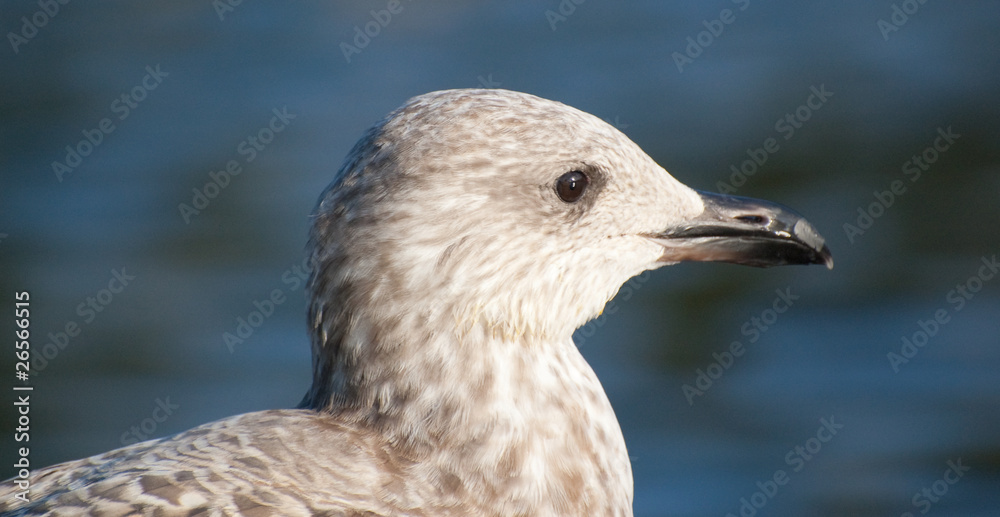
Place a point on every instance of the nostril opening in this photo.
(753, 219)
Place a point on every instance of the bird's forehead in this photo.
(507, 127)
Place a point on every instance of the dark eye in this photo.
(571, 186)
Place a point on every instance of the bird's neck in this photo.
(525, 418)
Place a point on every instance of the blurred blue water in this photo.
(162, 337)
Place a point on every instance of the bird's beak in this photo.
(744, 231)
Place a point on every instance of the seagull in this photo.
(464, 239)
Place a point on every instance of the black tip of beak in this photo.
(745, 231)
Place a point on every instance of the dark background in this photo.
(159, 342)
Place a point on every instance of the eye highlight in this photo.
(572, 185)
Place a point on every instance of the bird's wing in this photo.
(281, 462)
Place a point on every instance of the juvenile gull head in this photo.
(465, 238)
